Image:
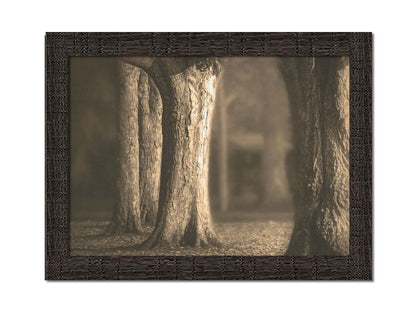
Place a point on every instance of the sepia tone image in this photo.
(245, 156)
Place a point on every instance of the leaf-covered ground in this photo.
(242, 234)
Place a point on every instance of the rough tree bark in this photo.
(318, 167)
(187, 87)
(150, 147)
(126, 216)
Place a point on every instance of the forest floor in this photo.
(241, 234)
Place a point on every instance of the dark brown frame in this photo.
(61, 266)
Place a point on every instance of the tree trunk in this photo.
(126, 217)
(318, 166)
(150, 140)
(188, 95)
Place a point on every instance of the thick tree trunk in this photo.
(188, 95)
(318, 166)
(150, 141)
(126, 217)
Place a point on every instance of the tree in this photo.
(150, 147)
(126, 216)
(140, 146)
(318, 167)
(187, 87)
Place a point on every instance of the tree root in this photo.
(114, 228)
(159, 239)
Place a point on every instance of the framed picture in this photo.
(208, 156)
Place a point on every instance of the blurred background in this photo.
(251, 137)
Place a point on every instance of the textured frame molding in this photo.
(61, 266)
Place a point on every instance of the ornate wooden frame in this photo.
(61, 266)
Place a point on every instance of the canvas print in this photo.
(201, 156)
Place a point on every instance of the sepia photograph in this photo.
(218, 156)
(210, 156)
